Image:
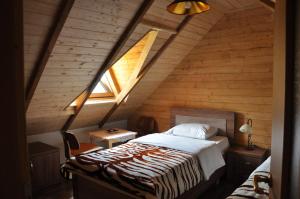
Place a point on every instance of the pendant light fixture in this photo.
(185, 7)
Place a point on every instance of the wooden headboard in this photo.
(223, 120)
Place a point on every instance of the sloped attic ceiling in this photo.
(88, 35)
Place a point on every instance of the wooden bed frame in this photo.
(223, 120)
(85, 186)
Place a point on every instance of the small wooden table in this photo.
(110, 138)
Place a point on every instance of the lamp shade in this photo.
(246, 128)
(184, 7)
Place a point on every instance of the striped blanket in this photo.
(145, 170)
(246, 190)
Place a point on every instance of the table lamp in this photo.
(247, 128)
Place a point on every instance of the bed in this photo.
(153, 167)
(247, 189)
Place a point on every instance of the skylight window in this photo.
(116, 81)
(104, 88)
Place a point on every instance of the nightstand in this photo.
(241, 162)
(44, 164)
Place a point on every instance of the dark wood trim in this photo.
(283, 90)
(47, 49)
(269, 4)
(144, 71)
(289, 97)
(14, 168)
(109, 60)
(294, 182)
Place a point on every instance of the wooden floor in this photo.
(64, 191)
(220, 191)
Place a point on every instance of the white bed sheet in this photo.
(222, 142)
(265, 166)
(209, 155)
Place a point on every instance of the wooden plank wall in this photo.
(230, 69)
(92, 114)
(38, 18)
(90, 32)
(234, 5)
(197, 28)
(92, 28)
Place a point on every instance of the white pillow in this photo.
(195, 130)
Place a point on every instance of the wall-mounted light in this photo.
(184, 7)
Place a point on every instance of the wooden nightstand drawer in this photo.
(242, 162)
(248, 163)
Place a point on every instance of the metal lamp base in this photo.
(250, 145)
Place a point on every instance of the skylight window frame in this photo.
(118, 93)
(112, 89)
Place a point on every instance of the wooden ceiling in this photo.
(67, 41)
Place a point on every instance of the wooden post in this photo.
(14, 171)
(282, 113)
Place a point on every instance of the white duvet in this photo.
(210, 157)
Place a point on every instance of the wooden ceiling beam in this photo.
(145, 70)
(47, 49)
(109, 60)
(158, 26)
(268, 4)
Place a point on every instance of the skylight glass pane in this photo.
(105, 81)
(99, 89)
(103, 86)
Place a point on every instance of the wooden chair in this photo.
(146, 125)
(73, 147)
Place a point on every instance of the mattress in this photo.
(222, 143)
(157, 165)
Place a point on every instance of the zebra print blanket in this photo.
(145, 170)
(246, 190)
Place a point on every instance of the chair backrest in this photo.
(146, 125)
(70, 142)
